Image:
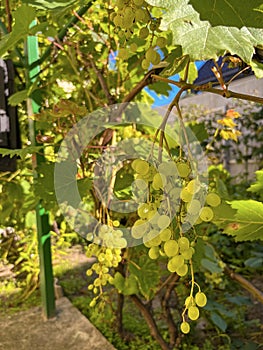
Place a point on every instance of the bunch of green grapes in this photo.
(132, 19)
(108, 236)
(191, 310)
(107, 258)
(173, 197)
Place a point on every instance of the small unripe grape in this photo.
(145, 64)
(193, 313)
(163, 221)
(188, 253)
(123, 54)
(133, 47)
(141, 15)
(213, 199)
(182, 270)
(161, 42)
(165, 234)
(138, 2)
(171, 248)
(183, 169)
(92, 303)
(144, 32)
(185, 328)
(206, 214)
(183, 243)
(153, 253)
(200, 299)
(185, 195)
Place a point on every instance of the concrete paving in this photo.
(69, 330)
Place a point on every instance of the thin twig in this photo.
(9, 16)
(208, 88)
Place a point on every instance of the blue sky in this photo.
(161, 100)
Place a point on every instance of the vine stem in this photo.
(9, 16)
(208, 88)
(150, 322)
(244, 283)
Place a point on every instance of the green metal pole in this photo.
(43, 227)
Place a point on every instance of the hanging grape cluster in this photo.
(133, 22)
(172, 198)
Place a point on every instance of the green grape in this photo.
(145, 64)
(133, 47)
(118, 20)
(176, 262)
(167, 168)
(185, 195)
(128, 11)
(156, 59)
(185, 327)
(163, 221)
(206, 214)
(188, 253)
(127, 23)
(92, 303)
(183, 243)
(89, 272)
(165, 234)
(183, 169)
(123, 54)
(194, 206)
(121, 4)
(159, 181)
(140, 184)
(140, 166)
(143, 210)
(141, 15)
(200, 299)
(139, 229)
(153, 253)
(193, 313)
(138, 2)
(144, 32)
(182, 270)
(171, 248)
(189, 301)
(150, 54)
(171, 266)
(161, 42)
(193, 186)
(213, 199)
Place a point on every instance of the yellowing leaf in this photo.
(247, 224)
(227, 122)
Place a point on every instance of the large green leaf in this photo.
(199, 39)
(146, 273)
(126, 286)
(234, 13)
(247, 224)
(23, 18)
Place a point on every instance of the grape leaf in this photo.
(126, 286)
(22, 153)
(199, 39)
(49, 4)
(234, 13)
(247, 224)
(23, 18)
(257, 187)
(146, 273)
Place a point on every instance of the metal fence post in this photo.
(43, 227)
